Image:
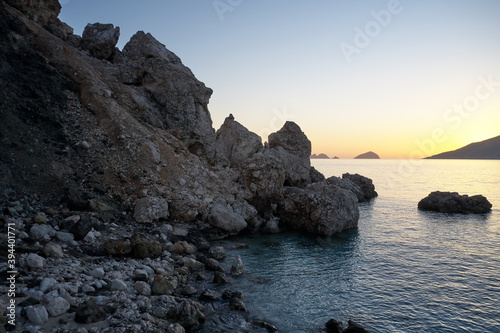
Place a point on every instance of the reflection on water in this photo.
(401, 270)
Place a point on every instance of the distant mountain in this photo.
(336, 158)
(320, 156)
(483, 150)
(368, 155)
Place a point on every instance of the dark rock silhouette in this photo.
(487, 149)
(368, 155)
(320, 156)
(452, 202)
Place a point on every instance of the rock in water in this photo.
(237, 266)
(319, 208)
(452, 202)
(368, 155)
(334, 326)
(364, 183)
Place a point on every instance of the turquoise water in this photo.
(401, 270)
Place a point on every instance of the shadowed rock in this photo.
(235, 143)
(293, 147)
(319, 208)
(452, 202)
(100, 39)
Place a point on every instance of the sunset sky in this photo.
(405, 79)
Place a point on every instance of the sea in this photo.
(400, 270)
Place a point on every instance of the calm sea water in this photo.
(401, 270)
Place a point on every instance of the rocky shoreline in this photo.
(92, 272)
(78, 274)
(115, 189)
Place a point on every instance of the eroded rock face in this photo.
(151, 209)
(452, 202)
(293, 148)
(183, 100)
(262, 177)
(291, 138)
(319, 208)
(223, 217)
(364, 183)
(43, 12)
(235, 143)
(100, 39)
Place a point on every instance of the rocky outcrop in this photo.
(319, 208)
(365, 184)
(334, 326)
(293, 147)
(235, 143)
(222, 216)
(100, 39)
(452, 202)
(178, 102)
(320, 156)
(368, 155)
(262, 177)
(361, 186)
(487, 149)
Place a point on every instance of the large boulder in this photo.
(178, 101)
(347, 184)
(150, 209)
(319, 208)
(452, 202)
(100, 39)
(235, 143)
(223, 217)
(262, 177)
(291, 138)
(364, 183)
(293, 148)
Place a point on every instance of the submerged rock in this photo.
(452, 202)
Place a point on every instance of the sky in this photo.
(402, 78)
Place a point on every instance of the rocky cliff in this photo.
(82, 119)
(484, 150)
(111, 172)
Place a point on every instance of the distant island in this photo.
(368, 155)
(483, 150)
(320, 156)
